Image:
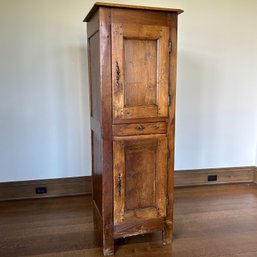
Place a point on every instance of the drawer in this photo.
(139, 129)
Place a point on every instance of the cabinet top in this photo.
(112, 5)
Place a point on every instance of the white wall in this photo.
(44, 129)
(217, 84)
(255, 162)
(44, 115)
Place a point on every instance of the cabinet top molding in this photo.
(138, 7)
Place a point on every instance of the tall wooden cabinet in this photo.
(132, 68)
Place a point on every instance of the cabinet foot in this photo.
(108, 251)
(108, 244)
(167, 236)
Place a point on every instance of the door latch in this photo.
(169, 99)
(119, 184)
(170, 46)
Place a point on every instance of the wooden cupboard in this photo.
(132, 54)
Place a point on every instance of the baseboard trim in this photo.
(255, 175)
(55, 188)
(82, 185)
(199, 177)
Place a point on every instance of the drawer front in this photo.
(140, 129)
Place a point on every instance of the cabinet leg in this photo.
(167, 235)
(108, 246)
(108, 252)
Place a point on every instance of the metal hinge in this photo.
(169, 99)
(170, 46)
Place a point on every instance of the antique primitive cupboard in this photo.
(132, 68)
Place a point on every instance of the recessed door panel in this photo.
(140, 175)
(140, 66)
(140, 53)
(140, 183)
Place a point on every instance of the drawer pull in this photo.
(140, 127)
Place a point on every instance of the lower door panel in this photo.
(139, 178)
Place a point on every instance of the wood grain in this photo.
(98, 223)
(97, 168)
(118, 181)
(167, 233)
(95, 110)
(94, 72)
(140, 177)
(163, 72)
(210, 221)
(99, 49)
(139, 71)
(130, 84)
(143, 128)
(106, 123)
(149, 8)
(138, 227)
(255, 175)
(117, 70)
(141, 120)
(161, 176)
(127, 16)
(137, 53)
(140, 165)
(93, 24)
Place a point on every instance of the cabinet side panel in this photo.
(171, 123)
(97, 169)
(95, 110)
(171, 129)
(106, 121)
(94, 69)
(93, 24)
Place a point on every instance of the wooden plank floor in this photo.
(213, 221)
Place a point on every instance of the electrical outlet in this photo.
(41, 190)
(212, 178)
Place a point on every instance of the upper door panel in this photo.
(140, 70)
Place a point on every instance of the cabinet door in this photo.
(140, 70)
(140, 177)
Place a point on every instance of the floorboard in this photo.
(210, 221)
